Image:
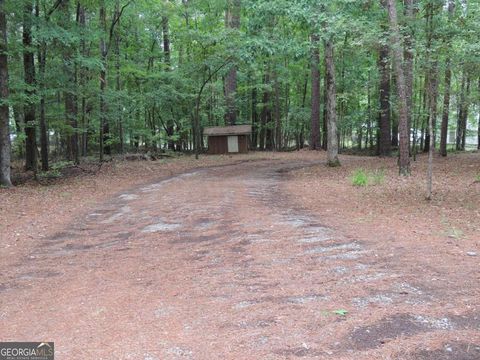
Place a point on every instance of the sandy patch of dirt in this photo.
(34, 210)
(434, 247)
(279, 258)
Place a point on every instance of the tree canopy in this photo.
(100, 77)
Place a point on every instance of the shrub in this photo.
(363, 178)
(360, 178)
(52, 174)
(378, 176)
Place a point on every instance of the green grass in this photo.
(477, 179)
(59, 165)
(362, 178)
(378, 176)
(55, 170)
(51, 174)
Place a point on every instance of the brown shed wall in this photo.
(243, 145)
(219, 144)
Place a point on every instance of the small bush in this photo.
(363, 178)
(59, 165)
(378, 176)
(360, 178)
(52, 174)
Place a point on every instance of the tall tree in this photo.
(385, 143)
(409, 58)
(266, 113)
(404, 161)
(463, 111)
(315, 143)
(106, 38)
(167, 60)
(104, 125)
(332, 140)
(254, 121)
(431, 72)
(83, 74)
(118, 82)
(446, 95)
(30, 84)
(478, 134)
(276, 113)
(232, 21)
(4, 113)
(70, 86)
(42, 64)
(324, 112)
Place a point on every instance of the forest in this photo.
(342, 222)
(96, 78)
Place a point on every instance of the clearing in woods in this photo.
(273, 258)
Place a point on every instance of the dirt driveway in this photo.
(219, 264)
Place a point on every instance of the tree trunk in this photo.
(232, 21)
(315, 143)
(446, 108)
(432, 101)
(478, 137)
(83, 81)
(404, 162)
(166, 42)
(4, 113)
(369, 113)
(167, 59)
(266, 140)
(332, 140)
(446, 97)
(430, 159)
(432, 89)
(42, 59)
(385, 143)
(118, 85)
(277, 115)
(431, 77)
(466, 106)
(301, 133)
(254, 119)
(70, 92)
(463, 112)
(433, 97)
(415, 125)
(325, 114)
(409, 57)
(104, 126)
(29, 71)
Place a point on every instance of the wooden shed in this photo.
(228, 139)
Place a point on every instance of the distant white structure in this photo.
(470, 141)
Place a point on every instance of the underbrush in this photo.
(362, 177)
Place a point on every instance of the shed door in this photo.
(233, 144)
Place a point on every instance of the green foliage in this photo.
(152, 102)
(363, 177)
(55, 170)
(51, 174)
(360, 178)
(60, 165)
(341, 312)
(378, 176)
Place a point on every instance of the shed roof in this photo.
(228, 130)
